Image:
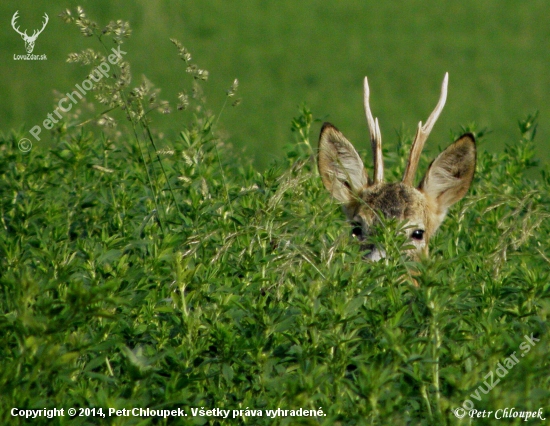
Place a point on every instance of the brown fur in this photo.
(424, 208)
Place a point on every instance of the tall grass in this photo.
(138, 271)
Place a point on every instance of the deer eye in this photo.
(357, 229)
(418, 234)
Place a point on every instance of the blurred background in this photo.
(316, 52)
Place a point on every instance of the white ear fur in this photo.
(340, 166)
(449, 176)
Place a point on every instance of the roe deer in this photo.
(423, 208)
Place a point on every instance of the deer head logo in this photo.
(29, 40)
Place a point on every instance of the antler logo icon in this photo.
(29, 40)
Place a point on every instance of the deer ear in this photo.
(449, 176)
(340, 166)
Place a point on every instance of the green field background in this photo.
(285, 53)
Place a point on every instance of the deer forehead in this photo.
(394, 200)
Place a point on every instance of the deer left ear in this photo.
(449, 176)
(340, 165)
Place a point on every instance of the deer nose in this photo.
(372, 253)
(368, 247)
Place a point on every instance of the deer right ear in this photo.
(449, 176)
(340, 166)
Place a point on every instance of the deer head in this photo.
(29, 40)
(423, 207)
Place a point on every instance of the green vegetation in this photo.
(287, 52)
(143, 271)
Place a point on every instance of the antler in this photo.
(422, 134)
(375, 136)
(36, 33)
(13, 19)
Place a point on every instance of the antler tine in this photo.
(422, 134)
(375, 136)
(46, 20)
(14, 23)
(36, 33)
(14, 18)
